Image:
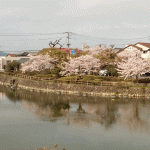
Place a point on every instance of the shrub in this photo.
(46, 71)
(12, 66)
(70, 78)
(146, 80)
(56, 70)
(73, 74)
(32, 73)
(43, 75)
(114, 72)
(88, 77)
(143, 90)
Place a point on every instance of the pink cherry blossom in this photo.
(83, 63)
(133, 66)
(39, 63)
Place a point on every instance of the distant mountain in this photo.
(3, 53)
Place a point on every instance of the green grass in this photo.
(92, 78)
(70, 78)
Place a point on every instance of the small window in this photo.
(144, 52)
(130, 47)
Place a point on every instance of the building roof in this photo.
(12, 55)
(144, 44)
(77, 51)
(23, 60)
(23, 54)
(65, 50)
(129, 46)
(32, 53)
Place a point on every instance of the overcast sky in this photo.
(101, 21)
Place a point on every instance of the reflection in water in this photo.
(109, 115)
(80, 109)
(12, 95)
(133, 117)
(53, 109)
(85, 111)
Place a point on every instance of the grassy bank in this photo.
(115, 90)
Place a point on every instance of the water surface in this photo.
(29, 120)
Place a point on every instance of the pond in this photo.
(29, 120)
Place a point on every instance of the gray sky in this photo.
(92, 22)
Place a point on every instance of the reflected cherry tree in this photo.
(133, 117)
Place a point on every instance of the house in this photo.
(145, 49)
(29, 54)
(23, 54)
(11, 57)
(130, 47)
(23, 60)
(142, 48)
(32, 54)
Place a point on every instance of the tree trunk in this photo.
(137, 78)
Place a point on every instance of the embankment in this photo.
(45, 86)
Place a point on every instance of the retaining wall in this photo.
(76, 89)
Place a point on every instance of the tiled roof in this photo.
(77, 51)
(12, 55)
(144, 44)
(65, 50)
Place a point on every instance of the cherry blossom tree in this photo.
(82, 63)
(130, 53)
(39, 63)
(85, 63)
(95, 50)
(132, 64)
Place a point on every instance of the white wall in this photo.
(146, 55)
(3, 61)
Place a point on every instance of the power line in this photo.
(75, 34)
(53, 38)
(88, 36)
(27, 34)
(78, 39)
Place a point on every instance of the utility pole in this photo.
(68, 44)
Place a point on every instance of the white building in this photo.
(143, 48)
(4, 60)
